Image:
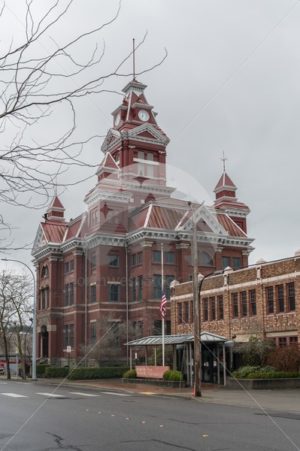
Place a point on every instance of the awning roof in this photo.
(156, 340)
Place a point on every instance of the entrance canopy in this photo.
(156, 340)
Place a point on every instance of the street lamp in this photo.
(197, 327)
(33, 371)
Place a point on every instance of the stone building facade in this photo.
(99, 274)
(262, 300)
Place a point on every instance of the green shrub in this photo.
(53, 371)
(244, 371)
(273, 375)
(256, 351)
(41, 369)
(130, 374)
(266, 372)
(172, 375)
(96, 373)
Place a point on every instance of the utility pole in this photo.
(197, 344)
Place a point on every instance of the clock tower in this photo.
(138, 146)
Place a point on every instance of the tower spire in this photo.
(224, 159)
(133, 58)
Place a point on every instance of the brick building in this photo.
(262, 300)
(101, 271)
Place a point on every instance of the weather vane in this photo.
(224, 159)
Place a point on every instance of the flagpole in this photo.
(163, 316)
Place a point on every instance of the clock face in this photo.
(143, 115)
(118, 119)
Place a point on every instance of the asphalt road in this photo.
(32, 418)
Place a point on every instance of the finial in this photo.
(224, 159)
(133, 58)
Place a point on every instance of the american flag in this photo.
(163, 305)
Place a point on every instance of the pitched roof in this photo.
(56, 203)
(225, 182)
(54, 231)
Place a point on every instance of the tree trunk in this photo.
(8, 376)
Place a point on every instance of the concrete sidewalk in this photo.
(269, 400)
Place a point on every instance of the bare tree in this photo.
(40, 79)
(15, 311)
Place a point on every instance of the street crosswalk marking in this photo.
(83, 394)
(14, 395)
(51, 395)
(114, 393)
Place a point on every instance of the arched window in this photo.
(205, 259)
(45, 271)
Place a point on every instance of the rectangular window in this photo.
(205, 309)
(66, 267)
(236, 262)
(69, 266)
(93, 332)
(114, 292)
(282, 342)
(235, 305)
(244, 305)
(157, 286)
(113, 261)
(252, 302)
(68, 335)
(139, 258)
(270, 300)
(220, 307)
(69, 294)
(133, 259)
(293, 340)
(186, 312)
(140, 288)
(280, 298)
(225, 262)
(93, 293)
(44, 298)
(212, 304)
(133, 289)
(179, 312)
(93, 260)
(169, 258)
(156, 256)
(291, 300)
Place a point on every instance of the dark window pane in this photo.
(244, 306)
(291, 296)
(270, 300)
(235, 305)
(114, 291)
(225, 262)
(220, 307)
(280, 298)
(252, 299)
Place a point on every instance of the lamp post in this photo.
(33, 371)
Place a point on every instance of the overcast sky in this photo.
(230, 83)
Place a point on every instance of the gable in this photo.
(40, 239)
(206, 221)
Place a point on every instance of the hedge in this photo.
(53, 371)
(172, 375)
(96, 373)
(267, 372)
(41, 369)
(130, 374)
